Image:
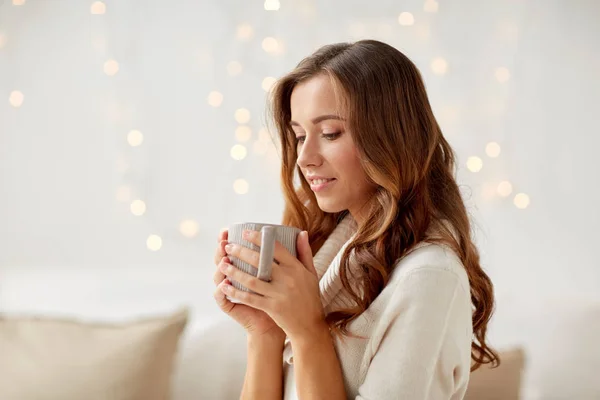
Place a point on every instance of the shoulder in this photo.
(430, 261)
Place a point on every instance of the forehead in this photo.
(313, 97)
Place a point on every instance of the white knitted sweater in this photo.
(419, 328)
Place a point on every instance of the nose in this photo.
(309, 153)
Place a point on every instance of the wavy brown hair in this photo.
(405, 156)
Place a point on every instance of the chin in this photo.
(329, 206)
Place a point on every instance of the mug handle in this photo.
(267, 250)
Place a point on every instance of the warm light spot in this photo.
(138, 207)
(502, 74)
(474, 164)
(245, 31)
(98, 8)
(215, 98)
(188, 228)
(406, 19)
(504, 188)
(240, 186)
(17, 2)
(521, 200)
(111, 67)
(16, 98)
(123, 193)
(272, 5)
(242, 115)
(2, 40)
(154, 242)
(268, 83)
(430, 6)
(492, 149)
(243, 133)
(234, 68)
(439, 66)
(135, 138)
(238, 152)
(270, 44)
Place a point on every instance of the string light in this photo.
(242, 115)
(406, 19)
(439, 66)
(272, 5)
(245, 31)
(521, 200)
(238, 152)
(154, 242)
(502, 74)
(504, 188)
(135, 138)
(188, 228)
(16, 98)
(270, 44)
(431, 6)
(98, 8)
(240, 186)
(137, 207)
(234, 68)
(474, 164)
(215, 98)
(268, 82)
(111, 67)
(243, 133)
(492, 149)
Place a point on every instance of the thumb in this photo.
(305, 253)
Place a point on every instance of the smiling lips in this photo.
(320, 183)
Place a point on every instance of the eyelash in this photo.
(328, 136)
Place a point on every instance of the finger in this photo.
(218, 275)
(246, 280)
(221, 298)
(243, 253)
(220, 251)
(305, 252)
(247, 298)
(280, 253)
(223, 233)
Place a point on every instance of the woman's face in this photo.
(326, 149)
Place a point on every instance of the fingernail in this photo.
(228, 247)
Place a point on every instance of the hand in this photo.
(292, 297)
(255, 322)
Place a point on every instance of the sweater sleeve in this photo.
(422, 344)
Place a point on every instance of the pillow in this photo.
(45, 358)
(501, 383)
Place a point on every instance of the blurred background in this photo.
(132, 131)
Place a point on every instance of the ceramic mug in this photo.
(286, 235)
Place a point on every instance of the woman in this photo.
(395, 304)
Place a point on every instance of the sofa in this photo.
(153, 336)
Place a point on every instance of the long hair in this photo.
(406, 157)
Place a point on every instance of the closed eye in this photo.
(327, 136)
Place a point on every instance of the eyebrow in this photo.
(320, 118)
